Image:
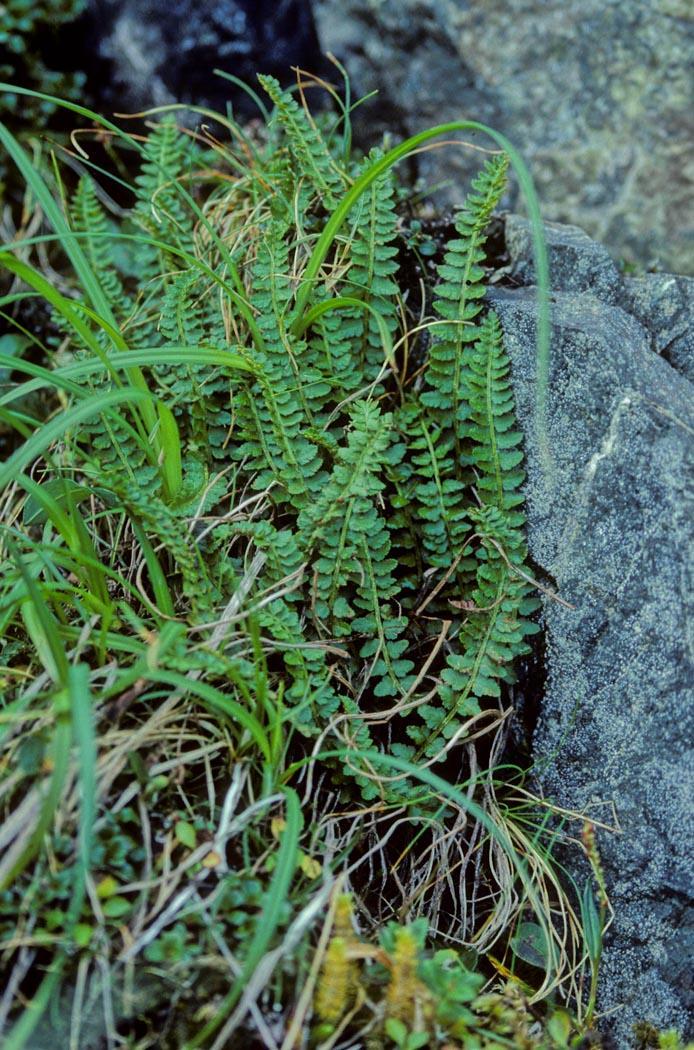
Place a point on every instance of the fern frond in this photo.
(274, 412)
(458, 296)
(89, 218)
(160, 209)
(373, 256)
(490, 424)
(306, 144)
(334, 523)
(436, 498)
(491, 637)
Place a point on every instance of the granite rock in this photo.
(610, 524)
(664, 303)
(597, 96)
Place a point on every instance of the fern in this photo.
(458, 297)
(436, 496)
(149, 511)
(373, 266)
(160, 210)
(89, 219)
(274, 412)
(490, 424)
(369, 507)
(433, 487)
(333, 525)
(326, 552)
(306, 145)
(433, 473)
(335, 337)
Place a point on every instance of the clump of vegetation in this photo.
(408, 997)
(25, 28)
(264, 585)
(647, 1036)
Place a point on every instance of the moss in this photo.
(27, 28)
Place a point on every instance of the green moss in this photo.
(26, 30)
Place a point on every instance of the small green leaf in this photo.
(82, 934)
(115, 907)
(107, 887)
(530, 944)
(396, 1030)
(185, 834)
(13, 345)
(559, 1028)
(31, 754)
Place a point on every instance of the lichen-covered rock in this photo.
(576, 263)
(597, 95)
(664, 303)
(610, 523)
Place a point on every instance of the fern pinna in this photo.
(381, 493)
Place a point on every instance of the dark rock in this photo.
(664, 303)
(610, 522)
(597, 96)
(576, 263)
(143, 53)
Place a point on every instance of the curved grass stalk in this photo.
(346, 302)
(42, 439)
(142, 357)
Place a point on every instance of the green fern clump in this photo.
(266, 515)
(380, 498)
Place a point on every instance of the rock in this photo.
(664, 303)
(577, 264)
(597, 97)
(153, 52)
(610, 523)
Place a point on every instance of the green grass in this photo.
(263, 592)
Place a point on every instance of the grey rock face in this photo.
(576, 263)
(610, 522)
(597, 96)
(664, 303)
